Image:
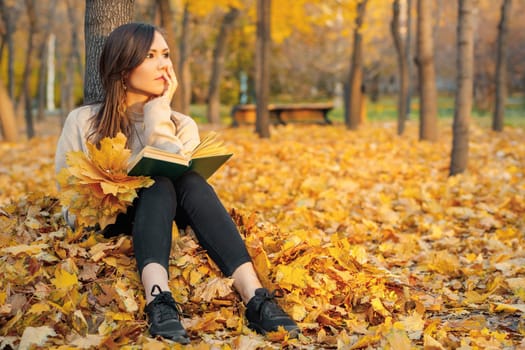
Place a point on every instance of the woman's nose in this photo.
(164, 62)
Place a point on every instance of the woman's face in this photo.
(146, 81)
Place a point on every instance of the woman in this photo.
(139, 83)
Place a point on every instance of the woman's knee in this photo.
(191, 182)
(161, 188)
(160, 194)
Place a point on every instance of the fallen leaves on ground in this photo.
(371, 241)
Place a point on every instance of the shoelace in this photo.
(173, 309)
(271, 308)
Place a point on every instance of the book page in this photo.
(209, 146)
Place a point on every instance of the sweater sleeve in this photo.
(73, 136)
(168, 130)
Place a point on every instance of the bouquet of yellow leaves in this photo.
(96, 187)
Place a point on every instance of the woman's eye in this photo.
(149, 55)
(167, 55)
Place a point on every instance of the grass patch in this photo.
(386, 110)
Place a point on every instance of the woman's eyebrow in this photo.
(163, 50)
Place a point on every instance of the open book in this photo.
(205, 159)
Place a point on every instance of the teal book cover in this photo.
(152, 166)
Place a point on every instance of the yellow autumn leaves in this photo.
(96, 187)
(374, 245)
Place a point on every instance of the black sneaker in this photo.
(164, 317)
(264, 315)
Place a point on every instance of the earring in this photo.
(124, 86)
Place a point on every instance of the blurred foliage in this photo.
(311, 49)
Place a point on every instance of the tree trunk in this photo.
(41, 95)
(403, 71)
(72, 63)
(501, 67)
(76, 54)
(44, 52)
(427, 77)
(166, 22)
(465, 78)
(100, 19)
(408, 55)
(7, 116)
(184, 63)
(355, 85)
(2, 45)
(10, 14)
(51, 74)
(26, 95)
(214, 103)
(262, 65)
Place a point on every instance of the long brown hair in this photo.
(125, 48)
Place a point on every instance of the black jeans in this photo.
(189, 200)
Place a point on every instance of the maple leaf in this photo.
(216, 287)
(90, 341)
(398, 340)
(126, 296)
(95, 187)
(35, 336)
(63, 279)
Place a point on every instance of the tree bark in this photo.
(408, 55)
(72, 63)
(355, 85)
(26, 95)
(501, 67)
(262, 66)
(76, 54)
(213, 111)
(184, 62)
(165, 12)
(100, 19)
(44, 59)
(403, 69)
(10, 16)
(7, 116)
(427, 77)
(465, 78)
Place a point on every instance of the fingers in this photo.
(171, 82)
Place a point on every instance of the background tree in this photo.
(10, 11)
(354, 95)
(501, 67)
(100, 19)
(46, 28)
(213, 111)
(25, 96)
(408, 54)
(7, 116)
(167, 23)
(262, 73)
(73, 63)
(428, 128)
(465, 78)
(402, 95)
(184, 63)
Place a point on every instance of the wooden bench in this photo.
(284, 113)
